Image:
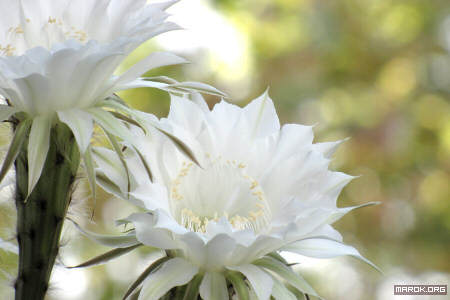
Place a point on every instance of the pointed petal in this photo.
(181, 139)
(163, 5)
(326, 248)
(154, 60)
(6, 112)
(127, 119)
(280, 292)
(122, 110)
(214, 287)
(144, 224)
(38, 145)
(192, 87)
(144, 163)
(162, 79)
(117, 241)
(110, 124)
(262, 116)
(261, 281)
(139, 83)
(345, 210)
(286, 273)
(112, 168)
(174, 272)
(108, 185)
(328, 148)
(118, 150)
(16, 143)
(82, 125)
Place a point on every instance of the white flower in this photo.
(46, 23)
(57, 61)
(260, 189)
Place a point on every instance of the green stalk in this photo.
(40, 217)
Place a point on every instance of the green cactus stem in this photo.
(40, 217)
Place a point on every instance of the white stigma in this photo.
(222, 189)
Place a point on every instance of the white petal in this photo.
(186, 114)
(147, 234)
(214, 287)
(293, 137)
(182, 139)
(264, 244)
(280, 292)
(165, 221)
(152, 195)
(286, 273)
(110, 164)
(340, 212)
(138, 83)
(219, 251)
(163, 5)
(116, 241)
(174, 272)
(194, 248)
(261, 281)
(333, 186)
(326, 231)
(108, 122)
(154, 60)
(328, 148)
(325, 248)
(82, 125)
(38, 146)
(199, 87)
(200, 101)
(262, 116)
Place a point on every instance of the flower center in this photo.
(30, 34)
(221, 189)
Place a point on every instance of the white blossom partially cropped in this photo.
(58, 60)
(257, 188)
(46, 23)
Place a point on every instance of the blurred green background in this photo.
(377, 71)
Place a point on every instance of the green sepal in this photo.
(116, 146)
(105, 257)
(192, 289)
(90, 171)
(16, 144)
(286, 273)
(239, 285)
(144, 275)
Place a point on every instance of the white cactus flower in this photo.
(261, 189)
(46, 23)
(57, 61)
